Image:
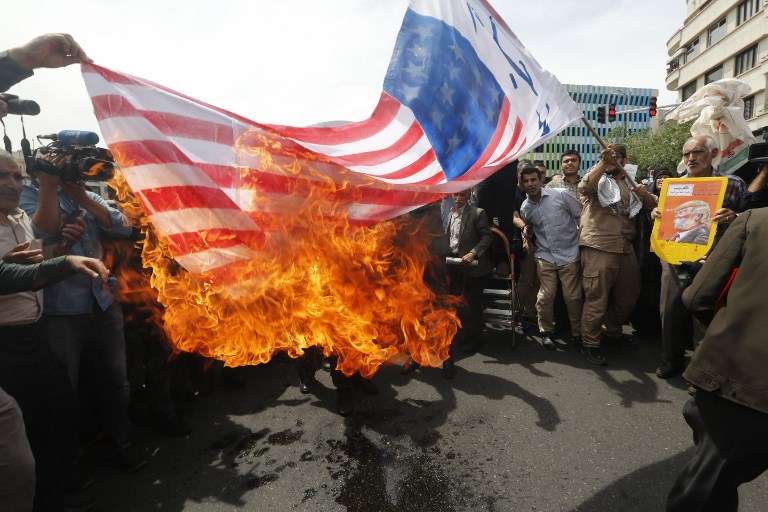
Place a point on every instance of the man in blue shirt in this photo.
(553, 216)
(81, 317)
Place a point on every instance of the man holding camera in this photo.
(81, 316)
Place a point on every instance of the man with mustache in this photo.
(678, 327)
(610, 274)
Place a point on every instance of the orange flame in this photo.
(358, 293)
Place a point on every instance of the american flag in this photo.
(461, 99)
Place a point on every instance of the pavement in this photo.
(518, 429)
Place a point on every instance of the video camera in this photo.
(72, 156)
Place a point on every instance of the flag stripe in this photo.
(406, 142)
(385, 112)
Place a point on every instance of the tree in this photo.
(648, 150)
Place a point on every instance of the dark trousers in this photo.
(309, 363)
(98, 341)
(17, 464)
(731, 449)
(38, 383)
(471, 311)
(676, 320)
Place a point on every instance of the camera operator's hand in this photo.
(23, 256)
(49, 51)
(73, 232)
(76, 192)
(89, 266)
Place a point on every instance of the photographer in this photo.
(84, 319)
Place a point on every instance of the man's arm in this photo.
(572, 205)
(701, 295)
(16, 278)
(517, 220)
(46, 51)
(42, 205)
(484, 232)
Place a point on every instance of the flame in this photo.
(318, 280)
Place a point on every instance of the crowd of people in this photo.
(582, 265)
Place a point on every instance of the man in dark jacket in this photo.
(468, 236)
(729, 411)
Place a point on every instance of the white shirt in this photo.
(454, 228)
(24, 307)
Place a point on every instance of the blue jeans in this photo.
(97, 341)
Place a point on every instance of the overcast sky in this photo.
(302, 62)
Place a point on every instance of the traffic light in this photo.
(612, 112)
(652, 107)
(601, 115)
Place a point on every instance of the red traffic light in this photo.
(652, 106)
(612, 112)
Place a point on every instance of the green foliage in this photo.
(648, 150)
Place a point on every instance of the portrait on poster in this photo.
(685, 231)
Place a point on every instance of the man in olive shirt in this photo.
(610, 275)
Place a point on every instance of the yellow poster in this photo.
(685, 231)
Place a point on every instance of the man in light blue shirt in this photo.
(82, 320)
(553, 215)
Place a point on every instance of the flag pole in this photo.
(594, 133)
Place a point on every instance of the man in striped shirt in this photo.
(678, 327)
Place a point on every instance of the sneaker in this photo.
(547, 342)
(594, 355)
(669, 370)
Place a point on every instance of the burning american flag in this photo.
(272, 216)
(462, 98)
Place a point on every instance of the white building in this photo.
(723, 39)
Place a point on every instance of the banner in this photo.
(685, 232)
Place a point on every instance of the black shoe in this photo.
(305, 386)
(344, 404)
(669, 370)
(594, 355)
(368, 387)
(126, 459)
(547, 342)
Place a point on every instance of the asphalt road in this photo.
(516, 430)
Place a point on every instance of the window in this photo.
(745, 61)
(691, 50)
(713, 74)
(688, 90)
(746, 10)
(716, 32)
(749, 107)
